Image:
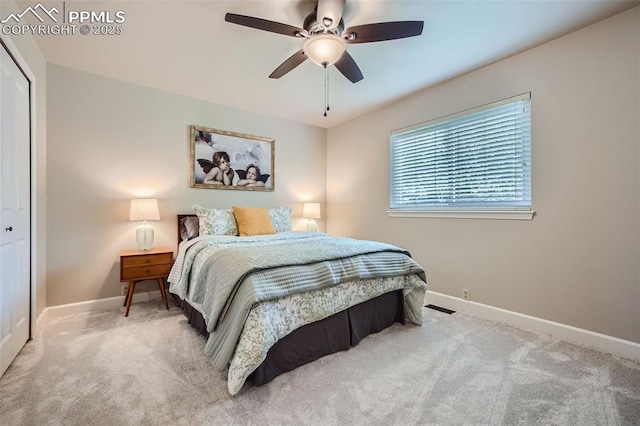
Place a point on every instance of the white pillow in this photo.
(216, 221)
(280, 218)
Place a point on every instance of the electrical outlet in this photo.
(466, 294)
(125, 287)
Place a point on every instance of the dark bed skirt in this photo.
(333, 334)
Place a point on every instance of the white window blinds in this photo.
(477, 159)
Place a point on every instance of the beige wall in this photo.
(110, 141)
(25, 50)
(577, 262)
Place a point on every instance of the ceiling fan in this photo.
(326, 39)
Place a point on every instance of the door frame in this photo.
(33, 206)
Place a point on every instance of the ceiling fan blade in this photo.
(329, 12)
(348, 67)
(293, 61)
(263, 24)
(382, 31)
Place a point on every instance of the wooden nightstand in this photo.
(138, 265)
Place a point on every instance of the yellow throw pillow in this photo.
(253, 221)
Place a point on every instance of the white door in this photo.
(14, 210)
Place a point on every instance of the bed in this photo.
(270, 303)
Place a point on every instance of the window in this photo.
(476, 163)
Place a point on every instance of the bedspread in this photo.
(270, 321)
(312, 274)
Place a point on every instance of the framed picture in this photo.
(228, 160)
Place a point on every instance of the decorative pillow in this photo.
(253, 221)
(281, 218)
(216, 221)
(189, 228)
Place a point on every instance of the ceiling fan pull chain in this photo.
(326, 91)
(326, 70)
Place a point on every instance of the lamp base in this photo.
(312, 226)
(144, 236)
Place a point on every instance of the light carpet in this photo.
(150, 368)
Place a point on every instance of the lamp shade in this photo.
(144, 209)
(311, 211)
(324, 49)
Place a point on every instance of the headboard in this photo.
(182, 228)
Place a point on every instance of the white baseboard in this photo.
(614, 345)
(108, 304)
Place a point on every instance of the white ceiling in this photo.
(186, 47)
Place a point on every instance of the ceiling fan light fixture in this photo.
(325, 49)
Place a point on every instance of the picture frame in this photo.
(222, 159)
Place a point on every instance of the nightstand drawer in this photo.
(146, 271)
(147, 260)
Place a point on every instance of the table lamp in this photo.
(144, 209)
(311, 211)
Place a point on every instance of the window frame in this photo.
(463, 212)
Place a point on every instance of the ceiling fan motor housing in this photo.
(314, 27)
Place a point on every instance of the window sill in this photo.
(465, 214)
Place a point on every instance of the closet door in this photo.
(15, 244)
